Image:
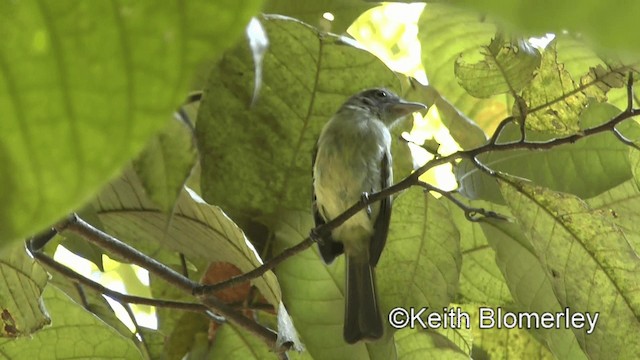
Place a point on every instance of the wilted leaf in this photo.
(507, 67)
(554, 101)
(23, 281)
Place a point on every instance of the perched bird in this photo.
(352, 158)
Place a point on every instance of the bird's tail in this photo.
(362, 317)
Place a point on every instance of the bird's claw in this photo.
(365, 198)
(315, 236)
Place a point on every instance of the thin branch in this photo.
(471, 213)
(75, 224)
(141, 338)
(115, 295)
(259, 271)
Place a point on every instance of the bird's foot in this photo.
(315, 236)
(364, 198)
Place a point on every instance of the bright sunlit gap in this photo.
(390, 32)
(113, 278)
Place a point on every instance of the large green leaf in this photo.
(420, 265)
(621, 203)
(590, 264)
(529, 284)
(504, 343)
(256, 148)
(481, 281)
(611, 24)
(232, 342)
(84, 84)
(446, 33)
(166, 162)
(418, 344)
(74, 334)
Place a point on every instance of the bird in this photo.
(352, 159)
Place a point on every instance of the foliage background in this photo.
(87, 93)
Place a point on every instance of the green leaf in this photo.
(84, 85)
(591, 266)
(166, 162)
(481, 281)
(232, 342)
(198, 230)
(344, 12)
(621, 203)
(610, 25)
(634, 159)
(599, 161)
(180, 339)
(497, 343)
(446, 33)
(507, 67)
(92, 301)
(529, 284)
(23, 281)
(418, 344)
(256, 158)
(420, 265)
(74, 334)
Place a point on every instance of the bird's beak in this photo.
(402, 108)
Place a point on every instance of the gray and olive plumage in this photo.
(353, 158)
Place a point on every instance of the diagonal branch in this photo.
(77, 225)
(413, 180)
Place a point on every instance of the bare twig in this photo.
(471, 213)
(75, 224)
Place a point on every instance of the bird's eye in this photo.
(381, 94)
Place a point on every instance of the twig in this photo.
(75, 224)
(115, 295)
(471, 213)
(259, 271)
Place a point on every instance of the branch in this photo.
(77, 225)
(471, 213)
(322, 231)
(115, 295)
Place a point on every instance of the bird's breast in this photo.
(347, 165)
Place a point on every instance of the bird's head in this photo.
(383, 104)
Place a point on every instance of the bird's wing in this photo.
(329, 248)
(381, 226)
